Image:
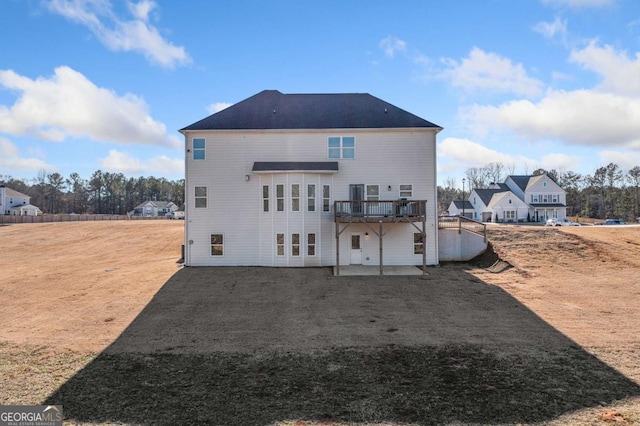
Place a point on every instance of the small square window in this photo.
(406, 191)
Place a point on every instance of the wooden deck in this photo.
(380, 211)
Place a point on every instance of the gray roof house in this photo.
(16, 203)
(294, 180)
(520, 198)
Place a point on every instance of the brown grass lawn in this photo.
(100, 318)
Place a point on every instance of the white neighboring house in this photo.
(310, 180)
(546, 199)
(497, 204)
(154, 208)
(519, 199)
(460, 208)
(16, 203)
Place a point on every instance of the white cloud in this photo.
(580, 117)
(490, 72)
(12, 159)
(625, 159)
(119, 34)
(217, 107)
(118, 161)
(557, 28)
(560, 161)
(69, 105)
(391, 45)
(621, 74)
(473, 154)
(577, 4)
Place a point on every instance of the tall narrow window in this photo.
(418, 243)
(198, 148)
(295, 244)
(201, 197)
(311, 197)
(349, 147)
(326, 198)
(265, 198)
(279, 244)
(217, 244)
(406, 191)
(295, 197)
(280, 198)
(311, 244)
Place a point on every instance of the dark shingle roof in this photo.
(467, 204)
(271, 109)
(289, 166)
(521, 181)
(547, 205)
(486, 194)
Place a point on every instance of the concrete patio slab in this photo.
(365, 270)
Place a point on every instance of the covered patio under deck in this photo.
(377, 212)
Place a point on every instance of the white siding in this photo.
(234, 206)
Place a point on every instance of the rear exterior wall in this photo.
(387, 158)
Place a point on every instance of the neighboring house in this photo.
(518, 199)
(16, 203)
(546, 199)
(154, 208)
(311, 180)
(460, 208)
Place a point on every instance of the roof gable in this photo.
(13, 193)
(271, 109)
(486, 194)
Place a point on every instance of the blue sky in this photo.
(106, 84)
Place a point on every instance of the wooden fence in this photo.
(47, 218)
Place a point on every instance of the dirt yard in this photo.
(80, 299)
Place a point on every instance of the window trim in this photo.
(374, 197)
(310, 198)
(199, 150)
(221, 245)
(410, 191)
(266, 202)
(314, 245)
(326, 201)
(280, 207)
(419, 243)
(196, 197)
(341, 148)
(295, 198)
(295, 245)
(283, 244)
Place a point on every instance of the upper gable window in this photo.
(198, 148)
(342, 147)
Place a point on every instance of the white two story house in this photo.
(16, 203)
(521, 198)
(311, 180)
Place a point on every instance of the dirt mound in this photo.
(490, 261)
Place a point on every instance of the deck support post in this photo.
(337, 247)
(424, 243)
(380, 239)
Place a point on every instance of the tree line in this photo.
(102, 193)
(609, 192)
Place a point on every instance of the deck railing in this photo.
(461, 222)
(395, 209)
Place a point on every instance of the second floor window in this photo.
(280, 198)
(198, 148)
(311, 198)
(326, 198)
(342, 147)
(201, 197)
(295, 197)
(265, 198)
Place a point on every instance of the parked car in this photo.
(615, 222)
(561, 222)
